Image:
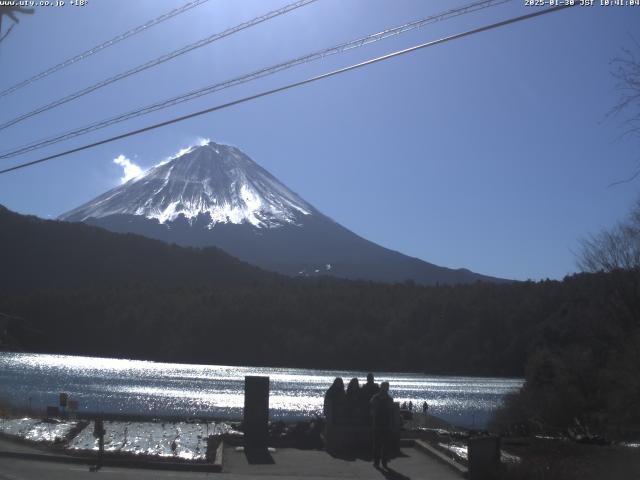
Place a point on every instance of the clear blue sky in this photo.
(489, 152)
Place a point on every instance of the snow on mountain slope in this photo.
(215, 195)
(214, 179)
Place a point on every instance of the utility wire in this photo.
(318, 55)
(102, 46)
(294, 85)
(158, 61)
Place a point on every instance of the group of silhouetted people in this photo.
(367, 405)
(353, 405)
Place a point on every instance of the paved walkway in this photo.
(8, 445)
(287, 464)
(14, 469)
(314, 464)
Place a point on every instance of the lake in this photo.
(119, 386)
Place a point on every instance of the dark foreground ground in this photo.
(564, 460)
(286, 463)
(539, 459)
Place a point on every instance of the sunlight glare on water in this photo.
(136, 387)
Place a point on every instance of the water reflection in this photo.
(215, 391)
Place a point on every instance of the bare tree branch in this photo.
(625, 69)
(615, 249)
(628, 180)
(10, 11)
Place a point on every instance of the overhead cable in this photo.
(158, 61)
(318, 55)
(102, 46)
(294, 85)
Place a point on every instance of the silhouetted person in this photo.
(353, 400)
(382, 424)
(410, 406)
(335, 402)
(367, 391)
(370, 388)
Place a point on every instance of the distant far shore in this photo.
(360, 371)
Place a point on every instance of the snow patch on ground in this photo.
(183, 440)
(187, 441)
(36, 430)
(630, 444)
(461, 451)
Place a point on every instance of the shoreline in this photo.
(214, 392)
(359, 371)
(431, 434)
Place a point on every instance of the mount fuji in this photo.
(214, 194)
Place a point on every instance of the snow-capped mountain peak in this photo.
(210, 179)
(232, 203)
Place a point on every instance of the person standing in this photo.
(335, 402)
(353, 401)
(367, 391)
(370, 388)
(382, 424)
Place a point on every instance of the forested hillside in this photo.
(481, 329)
(81, 290)
(36, 253)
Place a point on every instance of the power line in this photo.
(318, 55)
(158, 61)
(294, 85)
(102, 46)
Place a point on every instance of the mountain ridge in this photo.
(45, 254)
(214, 194)
(229, 186)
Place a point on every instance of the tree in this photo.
(626, 71)
(10, 11)
(614, 249)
